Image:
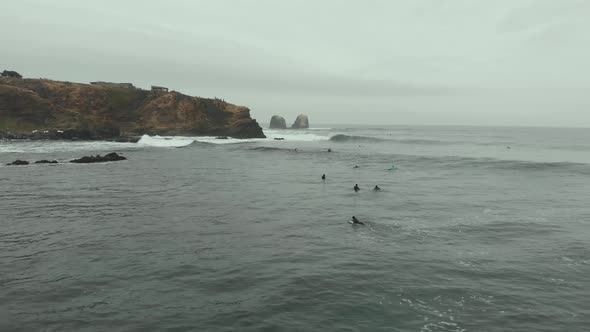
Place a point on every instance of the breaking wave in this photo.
(165, 142)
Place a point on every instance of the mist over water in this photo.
(476, 229)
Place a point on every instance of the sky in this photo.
(406, 62)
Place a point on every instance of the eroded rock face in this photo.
(277, 122)
(99, 159)
(302, 122)
(46, 109)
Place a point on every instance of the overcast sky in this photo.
(464, 62)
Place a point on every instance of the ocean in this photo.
(475, 229)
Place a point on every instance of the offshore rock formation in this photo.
(302, 122)
(113, 156)
(19, 162)
(277, 122)
(46, 109)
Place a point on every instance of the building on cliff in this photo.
(114, 85)
(159, 88)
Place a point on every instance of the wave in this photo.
(497, 164)
(341, 138)
(184, 141)
(269, 149)
(289, 150)
(44, 147)
(369, 139)
(165, 142)
(421, 141)
(303, 135)
(536, 166)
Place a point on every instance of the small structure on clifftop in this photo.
(159, 88)
(114, 85)
(277, 122)
(302, 122)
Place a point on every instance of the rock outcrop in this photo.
(99, 159)
(277, 122)
(44, 161)
(302, 122)
(45, 109)
(18, 162)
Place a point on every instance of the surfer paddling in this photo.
(355, 221)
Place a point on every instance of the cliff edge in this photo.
(40, 108)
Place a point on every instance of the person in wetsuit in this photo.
(356, 187)
(356, 221)
(376, 188)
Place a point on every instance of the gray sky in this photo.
(501, 62)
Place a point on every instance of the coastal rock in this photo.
(44, 161)
(46, 109)
(277, 122)
(19, 162)
(302, 122)
(99, 159)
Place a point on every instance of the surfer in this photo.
(355, 220)
(356, 187)
(329, 150)
(356, 166)
(376, 188)
(323, 176)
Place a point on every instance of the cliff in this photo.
(42, 108)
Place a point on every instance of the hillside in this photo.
(40, 108)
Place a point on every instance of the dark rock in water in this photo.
(221, 137)
(279, 139)
(302, 122)
(278, 122)
(19, 162)
(99, 159)
(44, 161)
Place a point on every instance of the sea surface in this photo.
(475, 229)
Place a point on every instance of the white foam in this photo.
(180, 141)
(60, 146)
(165, 141)
(295, 135)
(229, 140)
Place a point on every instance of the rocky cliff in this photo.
(42, 108)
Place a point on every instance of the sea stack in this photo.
(302, 122)
(277, 122)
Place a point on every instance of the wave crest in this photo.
(341, 138)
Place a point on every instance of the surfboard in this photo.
(354, 223)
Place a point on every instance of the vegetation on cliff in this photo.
(89, 111)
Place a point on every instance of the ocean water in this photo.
(475, 229)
